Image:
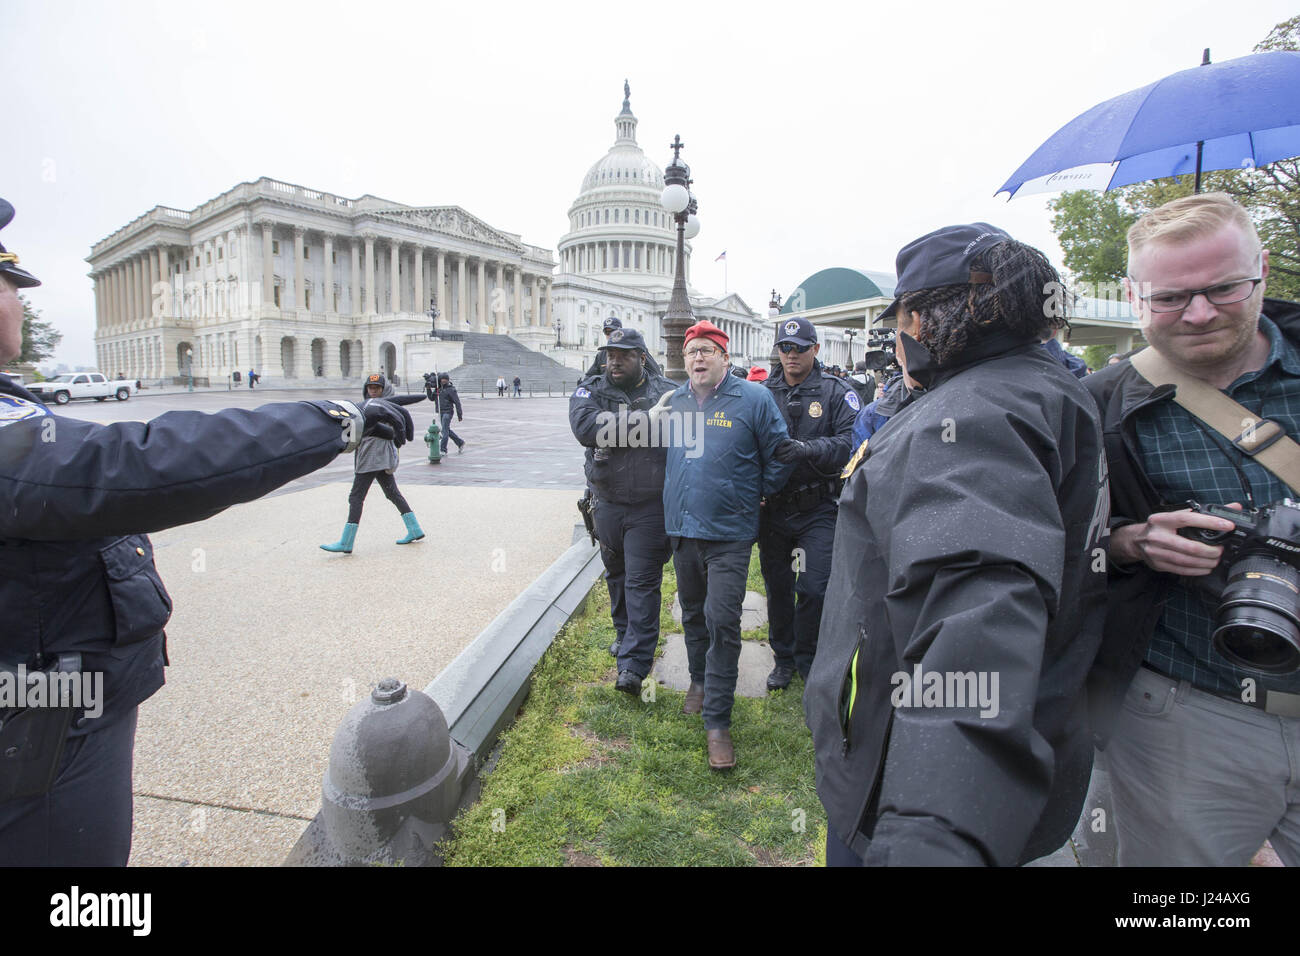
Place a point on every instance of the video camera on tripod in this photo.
(880, 355)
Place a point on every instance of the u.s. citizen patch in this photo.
(582, 393)
(14, 409)
(852, 398)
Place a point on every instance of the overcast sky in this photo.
(818, 134)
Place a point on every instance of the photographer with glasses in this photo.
(711, 503)
(797, 527)
(1201, 747)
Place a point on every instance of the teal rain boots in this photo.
(413, 531)
(343, 544)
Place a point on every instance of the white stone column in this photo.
(151, 279)
(518, 323)
(115, 299)
(299, 289)
(462, 309)
(440, 290)
(394, 278)
(536, 300)
(354, 278)
(329, 275)
(499, 316)
(268, 266)
(165, 275)
(480, 313)
(419, 280)
(370, 274)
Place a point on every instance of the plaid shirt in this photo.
(1188, 460)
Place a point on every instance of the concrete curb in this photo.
(481, 690)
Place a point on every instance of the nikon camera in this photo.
(1257, 624)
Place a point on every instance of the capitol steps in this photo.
(488, 356)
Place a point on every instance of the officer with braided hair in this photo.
(965, 602)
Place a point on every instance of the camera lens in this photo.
(1258, 627)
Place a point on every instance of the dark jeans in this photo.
(361, 485)
(85, 819)
(633, 547)
(711, 579)
(793, 625)
(448, 433)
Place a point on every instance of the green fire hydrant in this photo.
(433, 438)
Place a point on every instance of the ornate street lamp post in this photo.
(433, 314)
(679, 202)
(852, 334)
(189, 366)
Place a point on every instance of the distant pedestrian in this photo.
(518, 387)
(252, 378)
(501, 386)
(448, 403)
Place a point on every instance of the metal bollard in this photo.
(394, 782)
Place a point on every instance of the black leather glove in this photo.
(396, 422)
(792, 450)
(642, 404)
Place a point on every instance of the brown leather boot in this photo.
(722, 755)
(694, 702)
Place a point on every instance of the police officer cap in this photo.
(8, 260)
(625, 339)
(943, 257)
(799, 331)
(613, 322)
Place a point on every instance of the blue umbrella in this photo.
(1231, 115)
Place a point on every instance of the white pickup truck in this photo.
(64, 388)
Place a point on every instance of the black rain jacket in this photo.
(966, 535)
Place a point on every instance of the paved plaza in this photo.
(272, 640)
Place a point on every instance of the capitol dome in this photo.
(618, 231)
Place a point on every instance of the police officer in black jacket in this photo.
(79, 593)
(614, 416)
(797, 525)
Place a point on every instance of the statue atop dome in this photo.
(627, 97)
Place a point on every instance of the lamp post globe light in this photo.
(680, 204)
(189, 367)
(774, 313)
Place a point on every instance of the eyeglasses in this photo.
(787, 347)
(1225, 293)
(705, 350)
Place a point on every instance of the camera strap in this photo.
(1261, 438)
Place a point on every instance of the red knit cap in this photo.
(704, 329)
(757, 374)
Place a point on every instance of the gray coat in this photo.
(377, 454)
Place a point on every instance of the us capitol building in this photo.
(295, 283)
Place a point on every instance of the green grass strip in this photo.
(591, 776)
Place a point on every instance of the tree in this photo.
(40, 338)
(1091, 226)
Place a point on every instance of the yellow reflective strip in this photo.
(853, 680)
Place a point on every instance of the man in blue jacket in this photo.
(712, 493)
